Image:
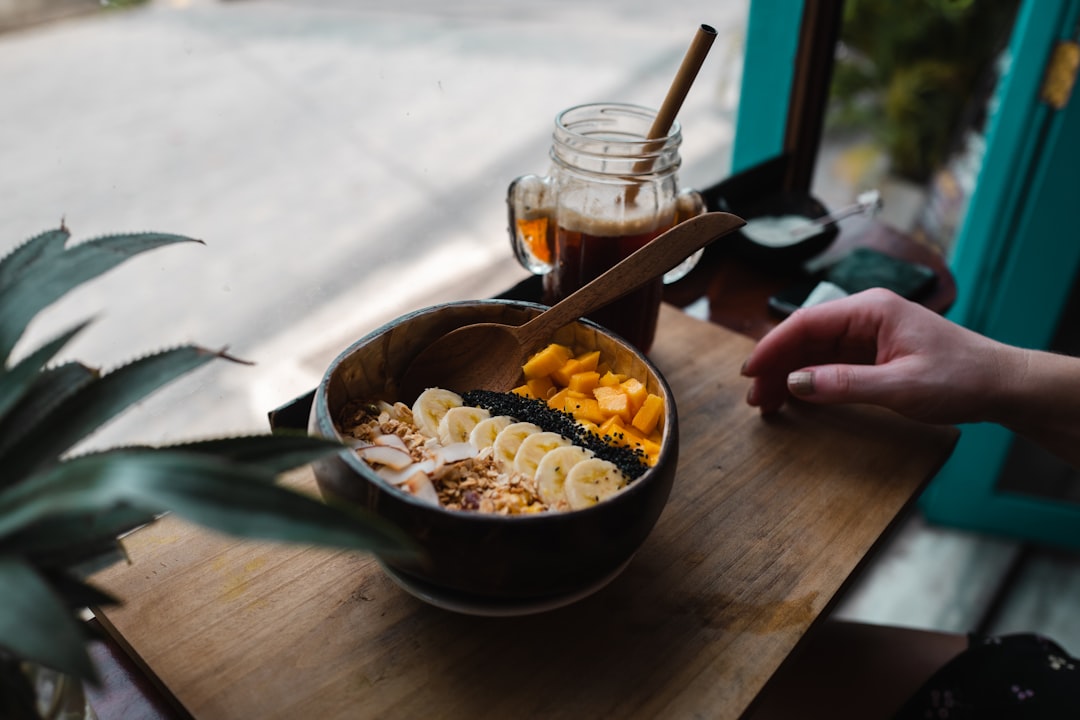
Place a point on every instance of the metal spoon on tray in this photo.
(866, 202)
(489, 356)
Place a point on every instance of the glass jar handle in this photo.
(531, 223)
(688, 204)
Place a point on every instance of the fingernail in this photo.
(742, 370)
(801, 382)
(751, 395)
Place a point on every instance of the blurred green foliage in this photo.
(908, 70)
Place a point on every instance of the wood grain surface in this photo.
(766, 522)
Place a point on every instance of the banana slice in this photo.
(509, 440)
(485, 432)
(458, 422)
(533, 449)
(552, 470)
(430, 407)
(591, 481)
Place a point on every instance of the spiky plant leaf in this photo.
(65, 540)
(55, 511)
(14, 383)
(75, 593)
(36, 624)
(234, 498)
(39, 284)
(273, 453)
(39, 248)
(98, 401)
(52, 387)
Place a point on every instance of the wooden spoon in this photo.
(489, 356)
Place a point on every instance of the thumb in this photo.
(838, 384)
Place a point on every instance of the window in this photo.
(343, 162)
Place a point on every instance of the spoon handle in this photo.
(867, 202)
(647, 263)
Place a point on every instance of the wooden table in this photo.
(766, 522)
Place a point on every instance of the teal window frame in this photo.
(1013, 261)
(772, 43)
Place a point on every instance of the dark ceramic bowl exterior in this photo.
(491, 558)
(788, 255)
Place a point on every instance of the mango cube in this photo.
(589, 426)
(649, 447)
(546, 361)
(648, 416)
(589, 360)
(612, 427)
(564, 372)
(613, 401)
(558, 400)
(523, 391)
(610, 379)
(585, 408)
(584, 382)
(636, 391)
(541, 387)
(619, 434)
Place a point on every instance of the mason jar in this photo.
(609, 191)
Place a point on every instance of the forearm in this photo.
(1041, 401)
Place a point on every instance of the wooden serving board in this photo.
(766, 522)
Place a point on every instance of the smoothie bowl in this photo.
(520, 501)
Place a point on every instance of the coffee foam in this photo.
(613, 227)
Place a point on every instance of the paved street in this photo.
(342, 161)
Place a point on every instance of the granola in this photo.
(473, 483)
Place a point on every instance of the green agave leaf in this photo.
(39, 284)
(85, 410)
(64, 540)
(273, 453)
(47, 245)
(36, 625)
(76, 593)
(51, 388)
(232, 498)
(16, 381)
(131, 244)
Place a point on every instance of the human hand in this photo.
(876, 347)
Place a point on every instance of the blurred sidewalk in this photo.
(22, 14)
(342, 160)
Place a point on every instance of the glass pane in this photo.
(913, 87)
(343, 162)
(907, 109)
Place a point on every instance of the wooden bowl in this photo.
(492, 564)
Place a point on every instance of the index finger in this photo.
(844, 330)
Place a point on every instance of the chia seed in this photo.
(538, 412)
